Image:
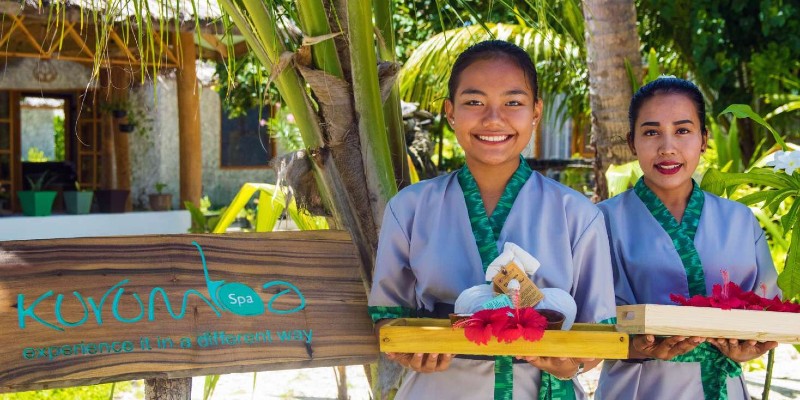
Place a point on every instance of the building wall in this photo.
(18, 74)
(155, 149)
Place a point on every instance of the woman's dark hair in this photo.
(490, 49)
(666, 85)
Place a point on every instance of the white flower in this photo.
(775, 161)
(787, 161)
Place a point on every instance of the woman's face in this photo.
(493, 113)
(668, 141)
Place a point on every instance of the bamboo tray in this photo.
(425, 335)
(659, 319)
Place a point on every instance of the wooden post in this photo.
(191, 161)
(168, 389)
(119, 92)
(108, 176)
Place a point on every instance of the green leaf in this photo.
(775, 202)
(789, 218)
(209, 386)
(789, 279)
(755, 198)
(653, 68)
(744, 111)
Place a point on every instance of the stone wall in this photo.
(155, 151)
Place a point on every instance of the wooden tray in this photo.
(659, 319)
(425, 335)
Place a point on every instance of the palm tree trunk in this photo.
(611, 38)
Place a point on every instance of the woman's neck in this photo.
(492, 182)
(675, 200)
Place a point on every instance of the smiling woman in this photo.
(439, 236)
(668, 237)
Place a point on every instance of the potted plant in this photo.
(37, 202)
(111, 200)
(160, 201)
(78, 201)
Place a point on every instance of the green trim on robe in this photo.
(383, 312)
(487, 231)
(715, 367)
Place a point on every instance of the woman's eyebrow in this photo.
(472, 91)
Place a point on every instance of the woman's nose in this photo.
(492, 116)
(667, 145)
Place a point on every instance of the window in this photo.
(245, 141)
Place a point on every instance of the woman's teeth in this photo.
(493, 138)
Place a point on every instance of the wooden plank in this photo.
(659, 319)
(85, 311)
(422, 335)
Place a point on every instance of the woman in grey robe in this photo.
(438, 236)
(669, 237)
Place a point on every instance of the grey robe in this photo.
(427, 254)
(647, 269)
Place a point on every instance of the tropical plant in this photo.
(272, 201)
(160, 186)
(776, 187)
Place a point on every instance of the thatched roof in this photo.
(30, 30)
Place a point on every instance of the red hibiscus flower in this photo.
(532, 323)
(506, 324)
(729, 296)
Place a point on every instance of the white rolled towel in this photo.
(512, 252)
(472, 299)
(561, 301)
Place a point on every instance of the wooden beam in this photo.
(121, 146)
(191, 153)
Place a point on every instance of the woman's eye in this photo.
(683, 131)
(514, 103)
(473, 102)
(650, 133)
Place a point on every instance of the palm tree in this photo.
(611, 41)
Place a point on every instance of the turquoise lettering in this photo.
(151, 302)
(115, 308)
(281, 293)
(23, 312)
(60, 318)
(98, 310)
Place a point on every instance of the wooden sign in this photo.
(657, 319)
(85, 311)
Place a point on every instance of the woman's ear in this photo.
(537, 111)
(448, 112)
(704, 145)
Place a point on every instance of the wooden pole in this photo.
(191, 161)
(108, 177)
(119, 92)
(168, 389)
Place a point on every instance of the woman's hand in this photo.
(561, 367)
(649, 346)
(422, 362)
(742, 350)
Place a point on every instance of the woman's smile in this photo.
(668, 167)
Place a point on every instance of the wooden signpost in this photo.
(86, 311)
